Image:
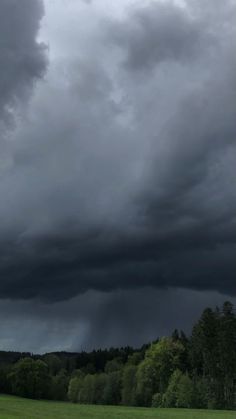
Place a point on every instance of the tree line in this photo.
(198, 371)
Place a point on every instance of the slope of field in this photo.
(13, 407)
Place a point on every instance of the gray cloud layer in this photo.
(120, 175)
(22, 58)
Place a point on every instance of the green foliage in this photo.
(129, 384)
(135, 358)
(146, 382)
(157, 400)
(74, 388)
(170, 396)
(30, 378)
(113, 365)
(227, 357)
(87, 394)
(165, 357)
(59, 386)
(112, 390)
(200, 393)
(185, 392)
(5, 385)
(213, 355)
(99, 386)
(89, 369)
(180, 391)
(53, 362)
(154, 372)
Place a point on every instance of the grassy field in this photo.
(13, 407)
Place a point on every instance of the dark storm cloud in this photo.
(95, 319)
(22, 58)
(121, 175)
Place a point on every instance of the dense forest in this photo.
(196, 371)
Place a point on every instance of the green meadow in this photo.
(14, 407)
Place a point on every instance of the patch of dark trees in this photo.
(198, 371)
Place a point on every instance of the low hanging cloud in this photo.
(97, 319)
(121, 171)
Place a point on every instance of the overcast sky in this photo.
(117, 169)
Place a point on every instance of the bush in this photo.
(170, 396)
(184, 394)
(180, 391)
(157, 400)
